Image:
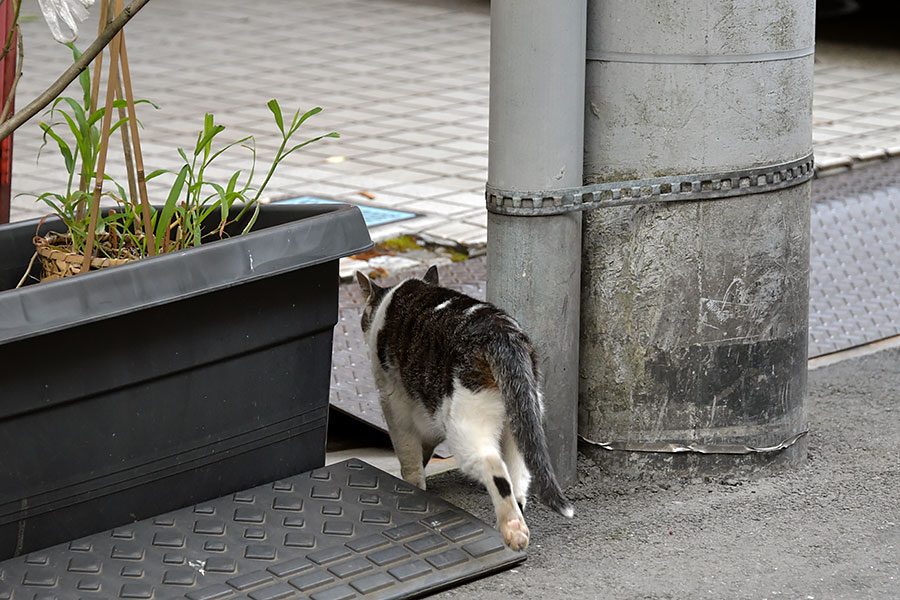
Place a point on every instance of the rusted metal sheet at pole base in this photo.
(694, 314)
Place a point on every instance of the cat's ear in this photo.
(431, 275)
(365, 284)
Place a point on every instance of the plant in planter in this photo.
(163, 382)
(191, 202)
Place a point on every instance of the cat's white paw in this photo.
(515, 533)
(417, 479)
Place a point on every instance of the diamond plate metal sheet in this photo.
(855, 258)
(340, 532)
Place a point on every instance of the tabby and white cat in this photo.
(450, 367)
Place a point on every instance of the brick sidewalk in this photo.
(405, 83)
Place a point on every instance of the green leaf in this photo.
(117, 124)
(229, 146)
(79, 114)
(307, 142)
(155, 173)
(56, 208)
(276, 110)
(63, 147)
(73, 128)
(165, 218)
(296, 124)
(84, 78)
(123, 197)
(221, 203)
(252, 221)
(232, 183)
(83, 142)
(98, 114)
(210, 130)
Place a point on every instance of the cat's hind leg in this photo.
(518, 472)
(406, 440)
(474, 428)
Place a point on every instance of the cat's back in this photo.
(433, 337)
(429, 307)
(422, 315)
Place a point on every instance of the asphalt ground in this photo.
(829, 530)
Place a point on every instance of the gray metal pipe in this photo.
(694, 314)
(536, 132)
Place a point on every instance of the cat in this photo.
(451, 367)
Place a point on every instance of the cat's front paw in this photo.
(515, 533)
(416, 478)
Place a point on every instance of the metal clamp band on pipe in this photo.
(675, 188)
(698, 59)
(682, 447)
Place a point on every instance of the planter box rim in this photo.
(312, 234)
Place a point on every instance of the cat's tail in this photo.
(514, 368)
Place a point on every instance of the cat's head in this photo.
(376, 293)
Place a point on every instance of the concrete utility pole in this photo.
(694, 311)
(536, 132)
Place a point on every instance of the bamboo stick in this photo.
(135, 138)
(111, 84)
(102, 21)
(126, 149)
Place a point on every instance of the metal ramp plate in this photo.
(344, 531)
(855, 258)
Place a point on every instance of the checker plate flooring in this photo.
(344, 531)
(854, 287)
(854, 281)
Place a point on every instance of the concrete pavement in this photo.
(404, 82)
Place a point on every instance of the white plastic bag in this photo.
(63, 17)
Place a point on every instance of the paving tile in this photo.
(453, 231)
(477, 160)
(464, 146)
(436, 207)
(397, 160)
(444, 168)
(421, 136)
(423, 153)
(476, 237)
(471, 199)
(420, 190)
(478, 218)
(465, 181)
(405, 83)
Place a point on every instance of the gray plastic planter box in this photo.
(135, 390)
